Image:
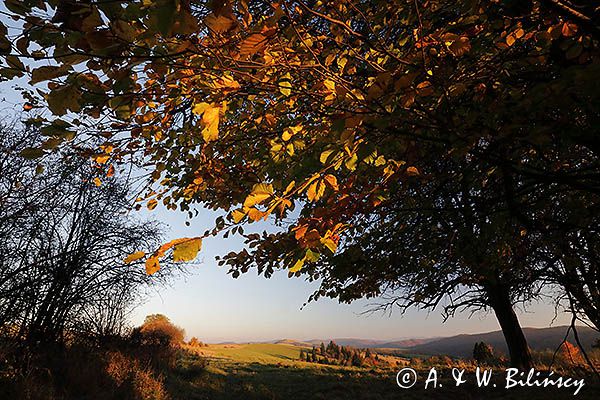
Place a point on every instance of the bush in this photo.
(194, 342)
(133, 381)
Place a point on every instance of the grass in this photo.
(271, 371)
(254, 353)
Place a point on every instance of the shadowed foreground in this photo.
(228, 376)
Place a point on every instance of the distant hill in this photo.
(293, 342)
(371, 343)
(403, 344)
(538, 339)
(358, 343)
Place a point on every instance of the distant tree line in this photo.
(334, 354)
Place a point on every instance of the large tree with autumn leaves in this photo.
(376, 119)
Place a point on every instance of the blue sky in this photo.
(214, 307)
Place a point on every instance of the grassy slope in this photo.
(255, 353)
(271, 371)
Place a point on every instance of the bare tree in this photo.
(63, 242)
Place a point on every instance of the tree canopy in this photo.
(451, 142)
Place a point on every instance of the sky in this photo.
(211, 305)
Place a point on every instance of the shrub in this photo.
(194, 342)
(569, 355)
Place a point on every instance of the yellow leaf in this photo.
(315, 190)
(330, 244)
(291, 131)
(510, 39)
(332, 181)
(152, 265)
(297, 266)
(101, 158)
(134, 257)
(210, 120)
(237, 215)
(255, 214)
(350, 163)
(260, 192)
(199, 108)
(289, 187)
(152, 204)
(97, 181)
(519, 33)
(187, 250)
(285, 84)
(329, 84)
(107, 148)
(325, 156)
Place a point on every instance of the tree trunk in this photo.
(520, 355)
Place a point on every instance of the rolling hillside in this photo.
(371, 343)
(539, 339)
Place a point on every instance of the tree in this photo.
(336, 107)
(158, 331)
(63, 240)
(322, 349)
(483, 353)
(356, 361)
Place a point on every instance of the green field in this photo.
(271, 371)
(256, 353)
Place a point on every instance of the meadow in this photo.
(273, 371)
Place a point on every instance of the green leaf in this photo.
(311, 256)
(17, 6)
(47, 72)
(164, 17)
(15, 63)
(32, 153)
(63, 99)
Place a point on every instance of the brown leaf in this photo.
(253, 44)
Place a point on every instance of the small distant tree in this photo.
(158, 330)
(368, 354)
(322, 349)
(483, 353)
(356, 360)
(314, 354)
(302, 356)
(195, 342)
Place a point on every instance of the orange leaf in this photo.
(134, 257)
(412, 171)
(152, 265)
(253, 44)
